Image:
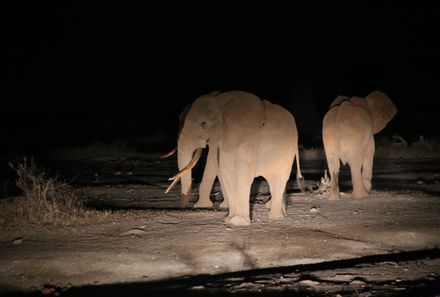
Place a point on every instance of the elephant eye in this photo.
(203, 124)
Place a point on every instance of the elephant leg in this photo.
(277, 189)
(367, 165)
(356, 178)
(238, 181)
(333, 167)
(225, 203)
(208, 179)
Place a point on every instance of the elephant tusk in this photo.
(170, 153)
(187, 168)
(172, 185)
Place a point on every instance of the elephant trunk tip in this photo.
(184, 199)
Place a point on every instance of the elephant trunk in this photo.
(184, 158)
(187, 156)
(184, 173)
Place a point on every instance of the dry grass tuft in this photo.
(46, 201)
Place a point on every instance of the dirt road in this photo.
(384, 244)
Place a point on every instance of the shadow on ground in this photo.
(297, 280)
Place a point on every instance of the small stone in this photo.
(198, 287)
(133, 232)
(357, 282)
(314, 209)
(17, 241)
(308, 283)
(48, 290)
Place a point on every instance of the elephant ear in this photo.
(383, 109)
(205, 111)
(338, 100)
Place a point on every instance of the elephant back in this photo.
(243, 117)
(338, 100)
(278, 118)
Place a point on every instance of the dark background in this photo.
(83, 72)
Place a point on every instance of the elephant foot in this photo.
(184, 199)
(367, 185)
(237, 220)
(333, 197)
(203, 203)
(224, 204)
(360, 194)
(277, 215)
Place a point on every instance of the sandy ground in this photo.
(383, 245)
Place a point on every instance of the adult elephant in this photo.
(209, 174)
(348, 134)
(253, 138)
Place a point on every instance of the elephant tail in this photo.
(299, 177)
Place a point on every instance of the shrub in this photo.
(45, 201)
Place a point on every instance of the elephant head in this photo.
(200, 126)
(383, 109)
(182, 117)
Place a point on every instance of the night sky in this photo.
(90, 71)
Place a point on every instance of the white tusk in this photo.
(187, 168)
(170, 153)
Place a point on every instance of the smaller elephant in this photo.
(348, 134)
